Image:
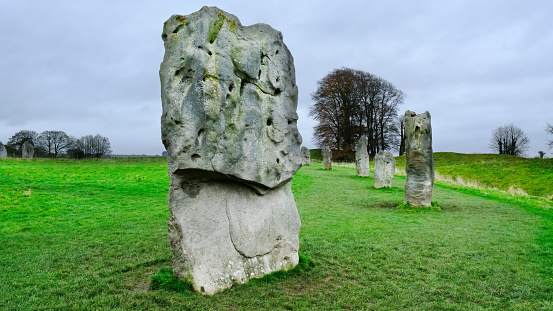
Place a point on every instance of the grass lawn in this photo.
(89, 235)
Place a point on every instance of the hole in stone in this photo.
(164, 37)
(209, 52)
(259, 74)
(177, 72)
(196, 156)
(202, 289)
(269, 122)
(200, 47)
(276, 52)
(212, 40)
(278, 160)
(231, 86)
(289, 122)
(277, 79)
(278, 91)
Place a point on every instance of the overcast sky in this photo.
(91, 67)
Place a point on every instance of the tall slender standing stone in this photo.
(327, 158)
(306, 156)
(419, 159)
(229, 125)
(27, 150)
(3, 151)
(384, 169)
(362, 157)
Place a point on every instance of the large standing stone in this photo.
(27, 150)
(3, 151)
(384, 169)
(419, 159)
(327, 158)
(306, 156)
(229, 126)
(362, 157)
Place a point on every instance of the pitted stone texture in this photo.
(229, 99)
(419, 181)
(384, 169)
(27, 150)
(327, 158)
(229, 127)
(362, 157)
(225, 233)
(3, 151)
(306, 156)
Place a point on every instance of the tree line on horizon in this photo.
(352, 103)
(54, 144)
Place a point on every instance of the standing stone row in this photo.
(229, 125)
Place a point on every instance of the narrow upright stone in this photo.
(3, 151)
(362, 157)
(384, 169)
(229, 125)
(27, 150)
(327, 158)
(306, 156)
(419, 167)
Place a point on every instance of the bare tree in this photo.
(16, 141)
(353, 103)
(541, 153)
(549, 129)
(89, 146)
(53, 141)
(509, 139)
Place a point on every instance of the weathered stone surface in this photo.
(3, 151)
(229, 126)
(327, 158)
(384, 169)
(306, 155)
(229, 100)
(27, 150)
(419, 182)
(362, 157)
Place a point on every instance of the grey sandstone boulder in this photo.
(27, 150)
(384, 169)
(362, 157)
(306, 156)
(3, 151)
(229, 125)
(327, 158)
(419, 168)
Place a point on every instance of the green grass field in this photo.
(90, 235)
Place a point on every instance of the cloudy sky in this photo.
(91, 67)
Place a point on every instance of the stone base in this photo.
(224, 233)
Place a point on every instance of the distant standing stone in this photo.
(419, 159)
(384, 169)
(3, 151)
(306, 156)
(327, 158)
(362, 157)
(27, 150)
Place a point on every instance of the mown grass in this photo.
(91, 235)
(534, 176)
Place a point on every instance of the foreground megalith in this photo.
(27, 150)
(419, 167)
(384, 169)
(362, 157)
(3, 151)
(327, 158)
(229, 117)
(306, 156)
